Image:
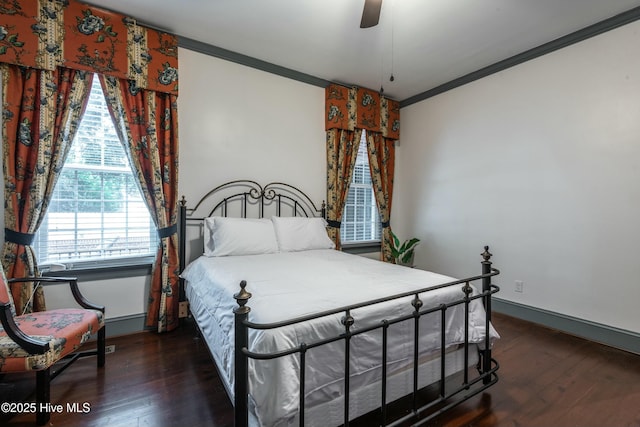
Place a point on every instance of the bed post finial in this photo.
(242, 298)
(486, 255)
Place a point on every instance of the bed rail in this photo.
(419, 414)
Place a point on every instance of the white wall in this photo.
(542, 162)
(122, 297)
(238, 122)
(235, 122)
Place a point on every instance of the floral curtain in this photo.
(342, 151)
(41, 113)
(382, 165)
(51, 34)
(353, 110)
(47, 34)
(147, 121)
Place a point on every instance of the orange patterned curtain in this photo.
(147, 122)
(41, 113)
(47, 34)
(67, 34)
(357, 109)
(342, 151)
(382, 165)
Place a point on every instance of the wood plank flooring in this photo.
(547, 379)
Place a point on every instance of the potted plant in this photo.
(403, 253)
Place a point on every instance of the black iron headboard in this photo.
(245, 199)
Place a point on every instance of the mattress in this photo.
(293, 284)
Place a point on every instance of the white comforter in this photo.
(287, 285)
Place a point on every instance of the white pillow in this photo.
(239, 236)
(301, 234)
(207, 234)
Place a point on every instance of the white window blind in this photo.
(360, 219)
(97, 216)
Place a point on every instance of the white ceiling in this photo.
(425, 43)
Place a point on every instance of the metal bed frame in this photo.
(279, 196)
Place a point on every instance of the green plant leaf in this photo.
(406, 258)
(412, 243)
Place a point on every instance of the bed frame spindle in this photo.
(348, 322)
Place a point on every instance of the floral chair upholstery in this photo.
(38, 341)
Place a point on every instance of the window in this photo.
(97, 215)
(360, 219)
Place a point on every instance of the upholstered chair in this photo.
(47, 342)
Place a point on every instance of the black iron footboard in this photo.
(421, 412)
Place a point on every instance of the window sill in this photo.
(104, 273)
(361, 247)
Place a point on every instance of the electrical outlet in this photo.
(110, 349)
(183, 309)
(519, 286)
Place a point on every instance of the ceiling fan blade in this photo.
(371, 13)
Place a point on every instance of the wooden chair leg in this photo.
(43, 396)
(101, 346)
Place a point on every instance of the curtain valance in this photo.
(46, 34)
(351, 108)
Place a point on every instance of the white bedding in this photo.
(291, 284)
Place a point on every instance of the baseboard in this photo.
(125, 325)
(613, 337)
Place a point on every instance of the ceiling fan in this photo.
(371, 13)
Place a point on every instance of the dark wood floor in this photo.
(546, 379)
